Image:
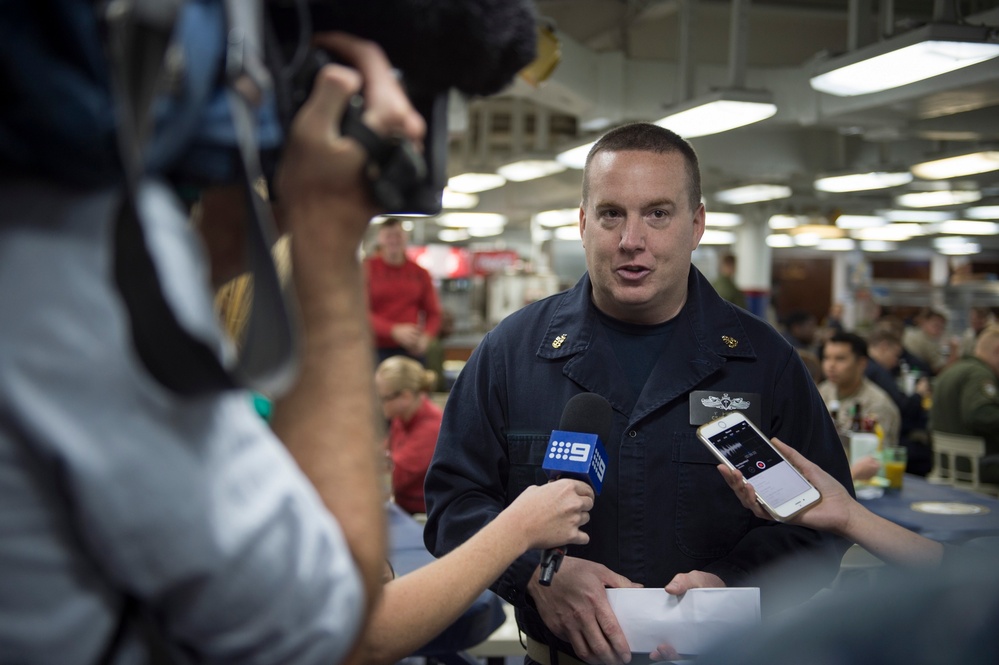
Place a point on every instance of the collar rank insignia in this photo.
(557, 342)
(730, 342)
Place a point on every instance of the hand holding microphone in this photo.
(575, 451)
(553, 515)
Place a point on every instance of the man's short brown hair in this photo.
(646, 137)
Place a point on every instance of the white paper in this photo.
(691, 623)
(862, 444)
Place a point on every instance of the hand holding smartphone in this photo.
(738, 444)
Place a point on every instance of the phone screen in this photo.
(774, 480)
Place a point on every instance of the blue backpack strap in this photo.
(158, 283)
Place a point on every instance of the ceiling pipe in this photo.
(685, 63)
(945, 11)
(485, 131)
(860, 30)
(738, 40)
(886, 9)
(541, 129)
(517, 122)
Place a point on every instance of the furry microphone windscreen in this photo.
(476, 46)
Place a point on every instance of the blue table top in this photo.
(951, 528)
(407, 553)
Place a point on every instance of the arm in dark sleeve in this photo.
(980, 405)
(466, 485)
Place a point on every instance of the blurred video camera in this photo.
(402, 179)
(474, 46)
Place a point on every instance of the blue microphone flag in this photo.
(576, 455)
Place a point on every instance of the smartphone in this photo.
(738, 444)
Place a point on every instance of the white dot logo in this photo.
(559, 450)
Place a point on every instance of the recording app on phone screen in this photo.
(773, 478)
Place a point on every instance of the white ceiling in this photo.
(622, 61)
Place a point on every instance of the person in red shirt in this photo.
(414, 422)
(405, 312)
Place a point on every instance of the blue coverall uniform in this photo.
(664, 508)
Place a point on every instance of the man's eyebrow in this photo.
(660, 203)
(657, 203)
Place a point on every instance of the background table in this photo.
(897, 507)
(407, 553)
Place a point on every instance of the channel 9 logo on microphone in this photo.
(576, 455)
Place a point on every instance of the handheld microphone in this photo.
(575, 450)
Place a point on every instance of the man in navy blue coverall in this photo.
(644, 329)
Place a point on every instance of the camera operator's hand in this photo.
(321, 168)
(387, 108)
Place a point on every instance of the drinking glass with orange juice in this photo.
(893, 459)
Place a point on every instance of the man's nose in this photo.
(632, 235)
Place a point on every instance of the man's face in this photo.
(805, 331)
(638, 232)
(394, 401)
(977, 320)
(842, 366)
(392, 241)
(990, 356)
(885, 354)
(934, 326)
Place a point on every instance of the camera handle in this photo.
(394, 166)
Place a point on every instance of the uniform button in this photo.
(633, 434)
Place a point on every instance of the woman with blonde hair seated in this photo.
(403, 385)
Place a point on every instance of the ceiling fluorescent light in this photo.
(786, 221)
(818, 231)
(982, 212)
(968, 227)
(862, 182)
(556, 218)
(877, 245)
(752, 194)
(485, 231)
(567, 233)
(928, 51)
(718, 111)
(458, 200)
(530, 169)
(890, 233)
(452, 235)
(957, 166)
(716, 237)
(937, 199)
(575, 158)
(961, 249)
(947, 241)
(473, 183)
(859, 221)
(469, 220)
(722, 219)
(916, 215)
(780, 240)
(837, 244)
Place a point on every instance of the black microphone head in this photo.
(589, 413)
